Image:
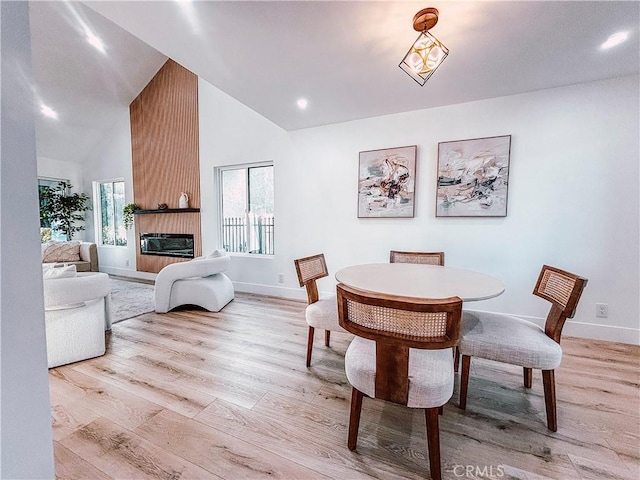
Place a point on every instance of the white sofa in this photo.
(197, 282)
(77, 313)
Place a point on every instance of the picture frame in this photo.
(386, 182)
(473, 177)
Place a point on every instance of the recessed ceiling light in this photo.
(302, 103)
(48, 111)
(94, 40)
(615, 39)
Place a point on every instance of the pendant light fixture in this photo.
(427, 52)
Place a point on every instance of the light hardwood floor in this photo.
(199, 395)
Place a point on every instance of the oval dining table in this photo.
(420, 281)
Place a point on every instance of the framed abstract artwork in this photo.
(386, 182)
(473, 177)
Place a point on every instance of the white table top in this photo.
(421, 281)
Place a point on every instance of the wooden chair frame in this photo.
(429, 258)
(307, 278)
(392, 356)
(563, 306)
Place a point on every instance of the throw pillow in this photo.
(217, 253)
(61, 252)
(60, 272)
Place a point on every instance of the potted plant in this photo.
(62, 209)
(127, 214)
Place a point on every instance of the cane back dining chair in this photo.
(321, 312)
(512, 340)
(401, 354)
(427, 258)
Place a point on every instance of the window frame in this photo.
(218, 174)
(97, 212)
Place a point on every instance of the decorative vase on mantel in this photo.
(183, 201)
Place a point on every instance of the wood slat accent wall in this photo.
(164, 142)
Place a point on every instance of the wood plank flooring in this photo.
(199, 395)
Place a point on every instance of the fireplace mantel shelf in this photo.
(166, 210)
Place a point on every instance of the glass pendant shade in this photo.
(424, 57)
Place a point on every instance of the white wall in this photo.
(573, 195)
(571, 203)
(231, 134)
(111, 160)
(25, 418)
(52, 168)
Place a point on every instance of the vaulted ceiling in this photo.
(341, 56)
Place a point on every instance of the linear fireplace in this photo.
(167, 244)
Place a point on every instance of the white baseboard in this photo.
(272, 291)
(127, 272)
(602, 332)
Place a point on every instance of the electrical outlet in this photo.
(126, 262)
(281, 278)
(602, 310)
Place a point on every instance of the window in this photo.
(46, 231)
(246, 196)
(109, 218)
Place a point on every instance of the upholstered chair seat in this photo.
(508, 339)
(324, 314)
(430, 373)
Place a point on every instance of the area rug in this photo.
(130, 299)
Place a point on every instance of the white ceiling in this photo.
(341, 56)
(86, 88)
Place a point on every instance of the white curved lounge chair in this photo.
(197, 282)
